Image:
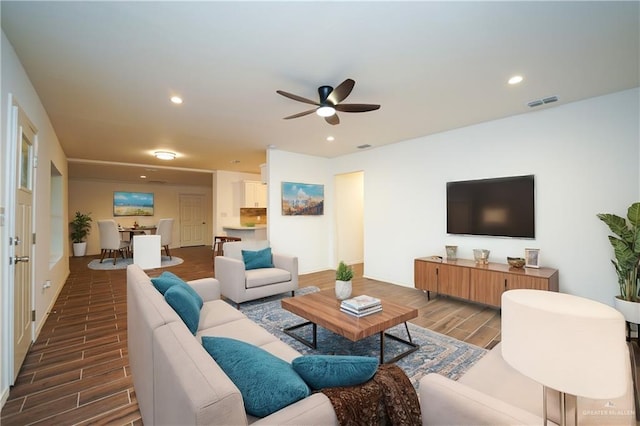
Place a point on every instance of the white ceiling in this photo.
(105, 71)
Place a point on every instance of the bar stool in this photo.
(218, 242)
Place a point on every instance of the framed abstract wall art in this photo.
(132, 203)
(302, 199)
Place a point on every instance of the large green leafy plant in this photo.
(80, 227)
(626, 248)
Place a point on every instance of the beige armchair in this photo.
(240, 285)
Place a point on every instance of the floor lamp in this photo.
(568, 343)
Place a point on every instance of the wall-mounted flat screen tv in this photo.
(502, 207)
(132, 203)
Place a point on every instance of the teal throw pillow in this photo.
(266, 382)
(185, 306)
(257, 259)
(328, 371)
(167, 279)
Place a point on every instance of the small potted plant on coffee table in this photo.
(344, 275)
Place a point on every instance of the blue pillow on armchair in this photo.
(257, 259)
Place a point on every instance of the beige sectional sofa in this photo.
(177, 382)
(493, 393)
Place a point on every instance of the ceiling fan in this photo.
(329, 102)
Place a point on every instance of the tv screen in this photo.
(503, 207)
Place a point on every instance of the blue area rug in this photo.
(437, 354)
(107, 264)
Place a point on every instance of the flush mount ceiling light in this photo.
(516, 79)
(330, 138)
(164, 155)
(176, 100)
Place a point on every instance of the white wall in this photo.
(308, 237)
(96, 197)
(15, 82)
(584, 156)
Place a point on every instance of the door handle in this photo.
(17, 259)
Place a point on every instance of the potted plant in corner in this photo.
(80, 228)
(344, 275)
(626, 249)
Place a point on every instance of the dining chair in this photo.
(165, 230)
(110, 241)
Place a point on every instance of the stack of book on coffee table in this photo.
(361, 306)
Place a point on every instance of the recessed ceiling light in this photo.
(176, 100)
(516, 79)
(143, 177)
(235, 161)
(330, 138)
(164, 155)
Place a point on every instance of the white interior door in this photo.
(22, 303)
(192, 220)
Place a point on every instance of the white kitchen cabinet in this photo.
(255, 194)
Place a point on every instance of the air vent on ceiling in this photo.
(542, 101)
(365, 146)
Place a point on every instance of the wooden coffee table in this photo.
(323, 309)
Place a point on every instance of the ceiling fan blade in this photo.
(301, 114)
(332, 119)
(296, 97)
(356, 107)
(341, 92)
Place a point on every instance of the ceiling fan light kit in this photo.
(329, 102)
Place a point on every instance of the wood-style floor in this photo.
(77, 371)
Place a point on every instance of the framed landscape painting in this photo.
(302, 199)
(132, 203)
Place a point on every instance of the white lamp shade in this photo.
(565, 342)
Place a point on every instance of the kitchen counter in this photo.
(258, 232)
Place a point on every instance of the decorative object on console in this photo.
(481, 256)
(567, 343)
(516, 262)
(532, 258)
(344, 275)
(451, 252)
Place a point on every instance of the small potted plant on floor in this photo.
(626, 249)
(80, 228)
(344, 275)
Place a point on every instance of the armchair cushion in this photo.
(257, 259)
(266, 382)
(266, 276)
(328, 371)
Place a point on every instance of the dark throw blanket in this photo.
(387, 399)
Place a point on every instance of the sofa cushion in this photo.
(266, 276)
(327, 371)
(167, 279)
(257, 259)
(266, 382)
(185, 305)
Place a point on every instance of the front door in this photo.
(192, 223)
(22, 305)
